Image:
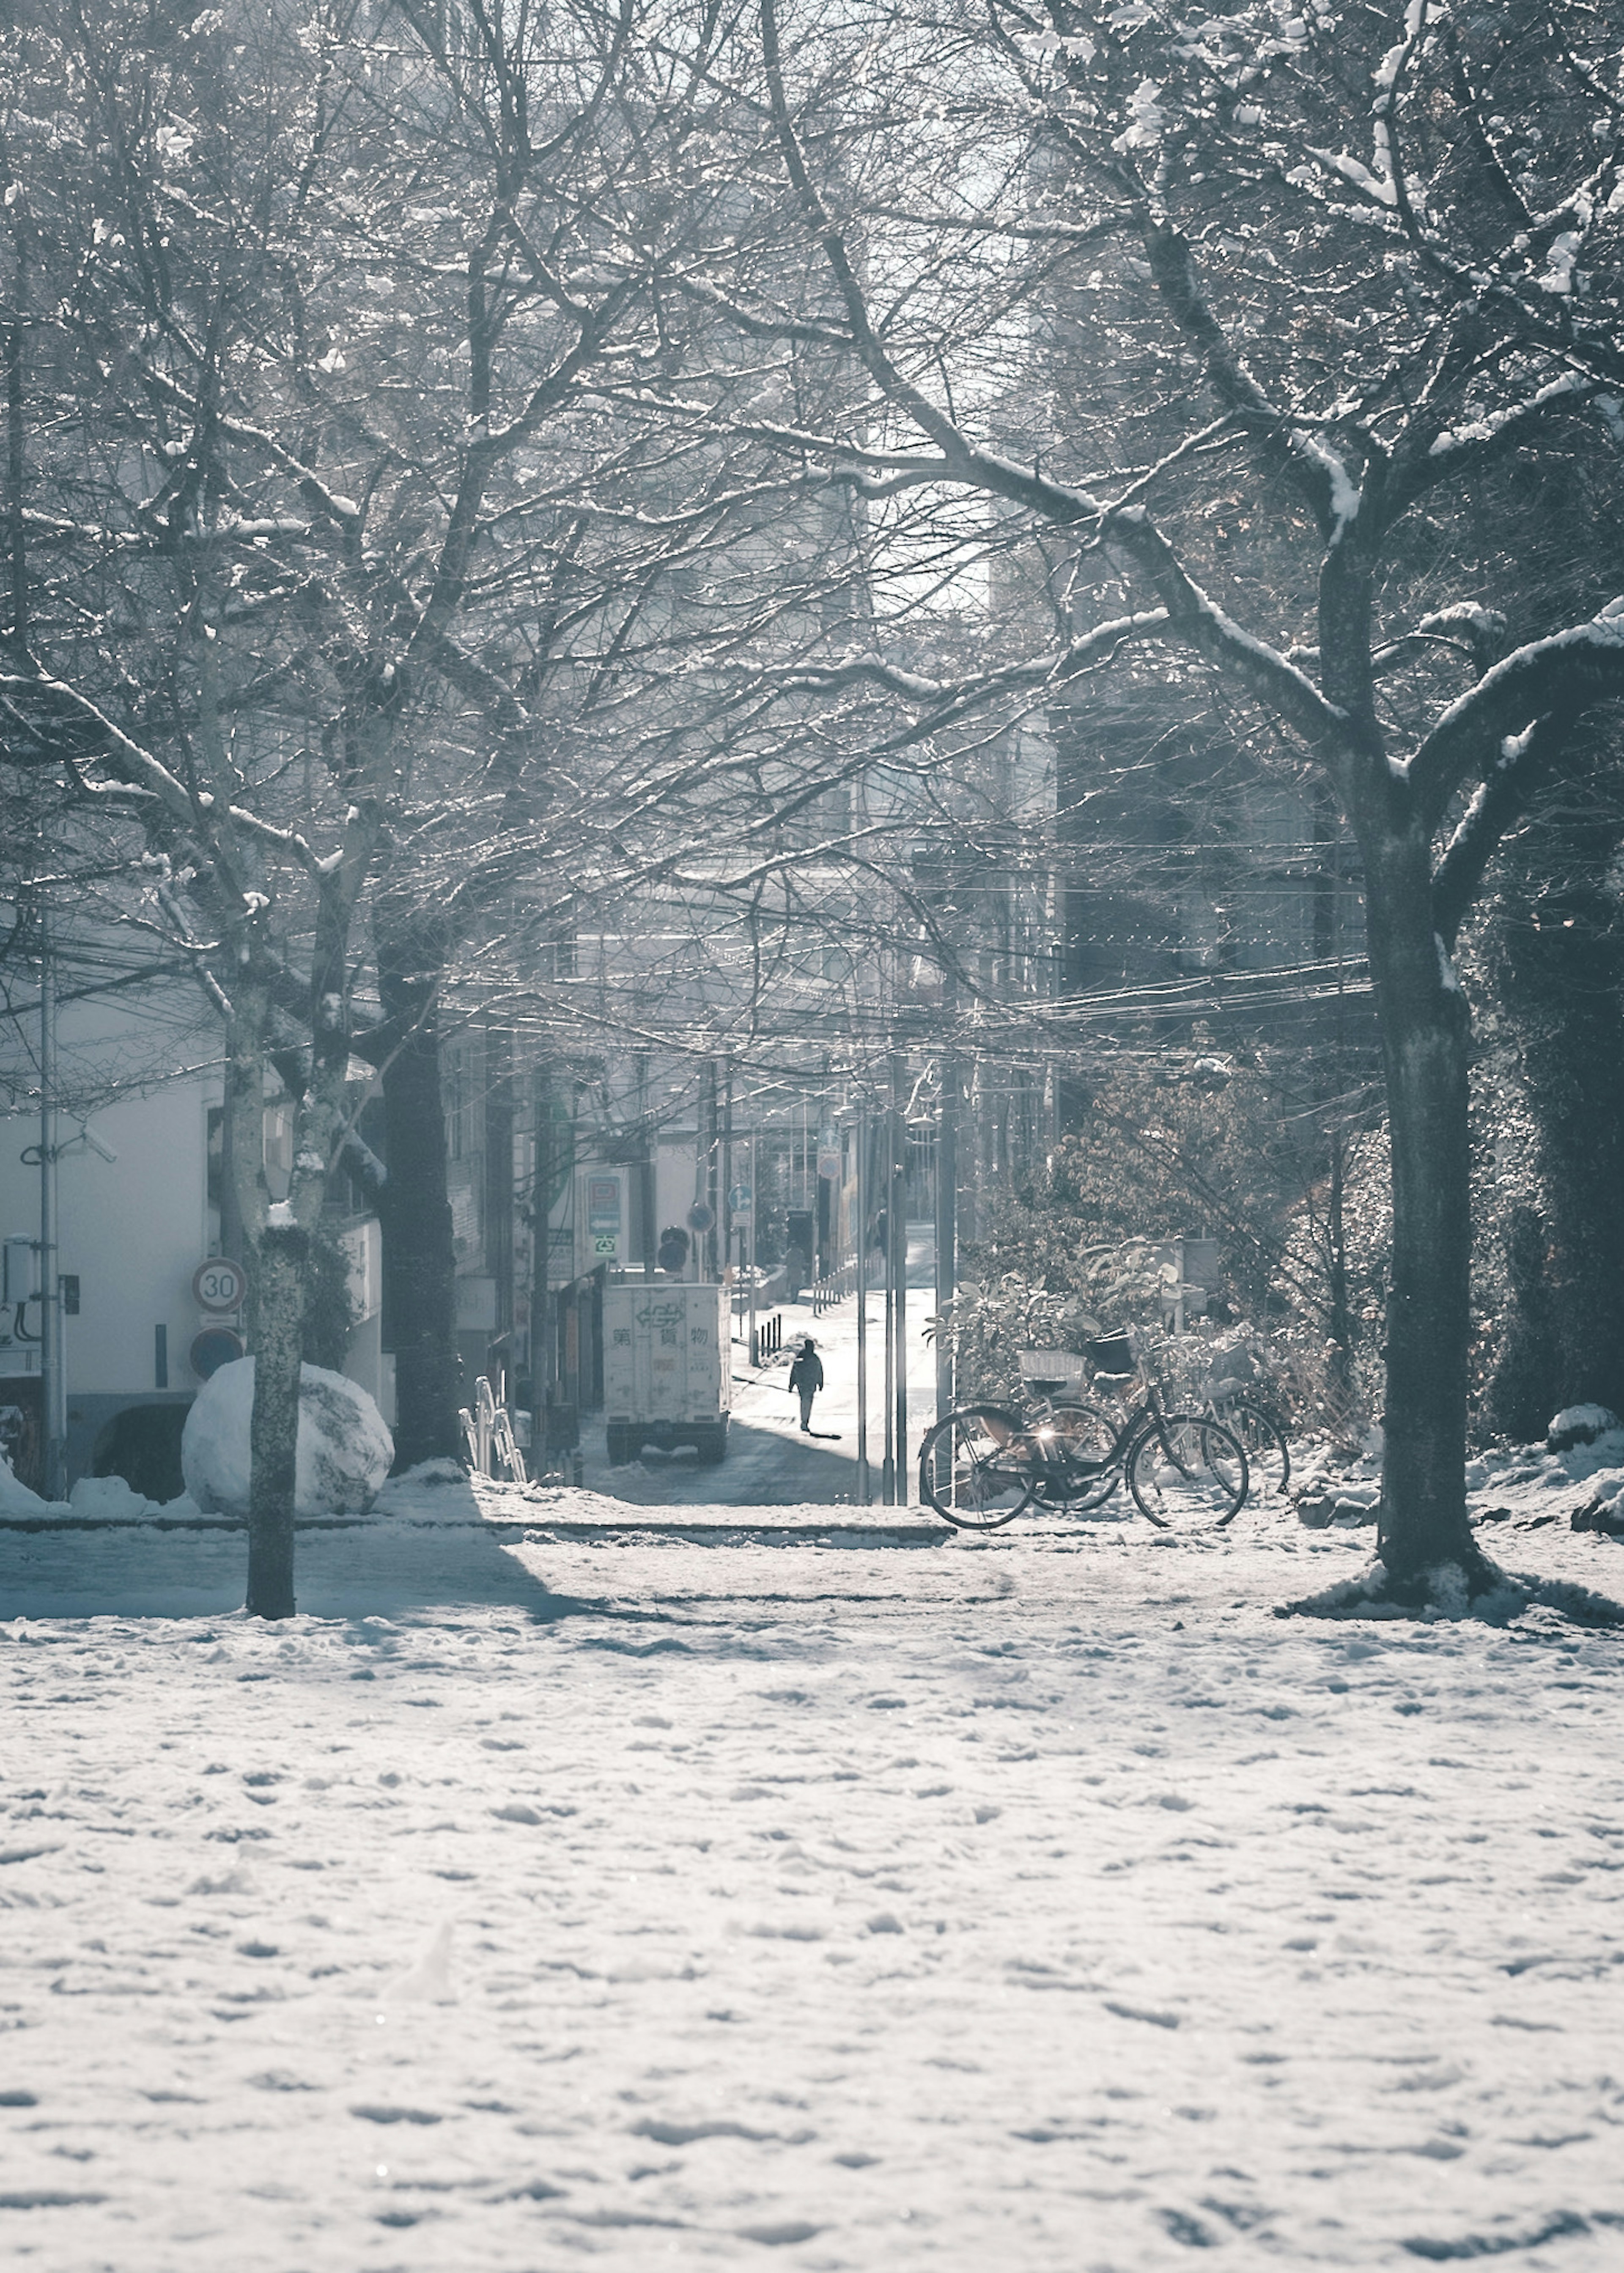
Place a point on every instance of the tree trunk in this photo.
(1424, 1030)
(420, 1260)
(274, 1431)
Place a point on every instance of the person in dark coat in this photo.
(806, 1377)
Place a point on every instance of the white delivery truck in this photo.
(668, 1368)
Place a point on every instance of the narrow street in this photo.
(769, 1463)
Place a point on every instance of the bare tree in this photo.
(1365, 259)
(311, 419)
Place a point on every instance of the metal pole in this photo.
(750, 1345)
(863, 1479)
(947, 1226)
(727, 1175)
(53, 1387)
(899, 1221)
(888, 1474)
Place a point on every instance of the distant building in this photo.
(139, 1099)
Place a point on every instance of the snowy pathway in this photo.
(607, 1896)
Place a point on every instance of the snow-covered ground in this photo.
(572, 1884)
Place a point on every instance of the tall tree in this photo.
(1366, 256)
(313, 417)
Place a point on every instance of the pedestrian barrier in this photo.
(768, 1339)
(834, 1286)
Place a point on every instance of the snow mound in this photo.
(1580, 1424)
(15, 1498)
(107, 1499)
(344, 1448)
(1605, 1513)
(435, 1472)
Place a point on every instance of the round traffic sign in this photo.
(219, 1283)
(214, 1347)
(741, 1199)
(701, 1217)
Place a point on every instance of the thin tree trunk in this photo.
(419, 1253)
(275, 1432)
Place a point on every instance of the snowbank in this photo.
(108, 1499)
(344, 1448)
(15, 1498)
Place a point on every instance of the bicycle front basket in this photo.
(1112, 1354)
(1051, 1365)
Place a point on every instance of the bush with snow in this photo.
(1580, 1424)
(344, 1449)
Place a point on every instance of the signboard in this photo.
(219, 1285)
(741, 1199)
(605, 1218)
(214, 1347)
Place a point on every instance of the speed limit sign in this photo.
(219, 1284)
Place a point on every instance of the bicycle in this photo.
(984, 1465)
(1264, 1441)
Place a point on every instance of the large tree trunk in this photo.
(420, 1260)
(1425, 1030)
(275, 1432)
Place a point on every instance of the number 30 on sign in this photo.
(219, 1283)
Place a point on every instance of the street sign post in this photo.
(605, 1218)
(218, 1286)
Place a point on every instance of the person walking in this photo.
(806, 1377)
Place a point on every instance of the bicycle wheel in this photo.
(973, 1469)
(1080, 1473)
(1186, 1473)
(1263, 1440)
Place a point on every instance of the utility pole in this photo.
(898, 1219)
(947, 1226)
(705, 1179)
(863, 1478)
(53, 1387)
(888, 1474)
(750, 1344)
(727, 1172)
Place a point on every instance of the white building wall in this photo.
(134, 1230)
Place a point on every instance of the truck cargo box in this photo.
(668, 1367)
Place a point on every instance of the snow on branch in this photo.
(1524, 759)
(1474, 434)
(1570, 669)
(1044, 671)
(330, 503)
(150, 774)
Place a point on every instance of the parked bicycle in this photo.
(981, 1467)
(1110, 1368)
